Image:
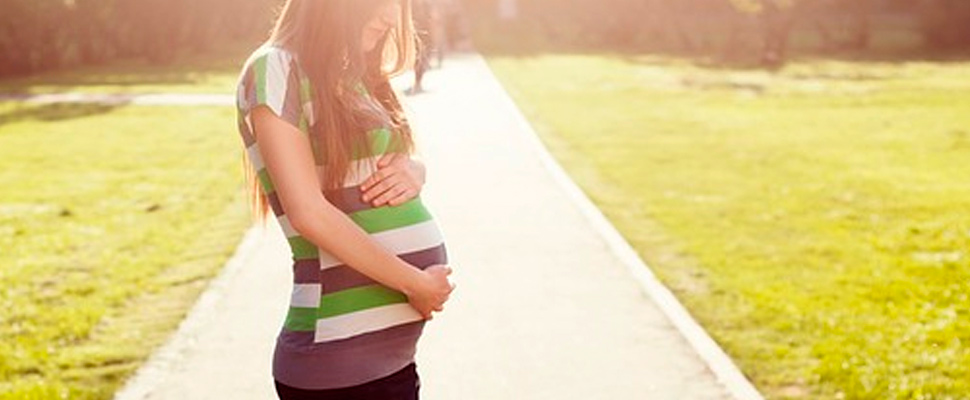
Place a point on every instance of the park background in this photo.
(795, 171)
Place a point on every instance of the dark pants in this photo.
(402, 385)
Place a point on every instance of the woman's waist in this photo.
(300, 361)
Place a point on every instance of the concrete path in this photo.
(545, 309)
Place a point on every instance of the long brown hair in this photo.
(325, 37)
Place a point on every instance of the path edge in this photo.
(724, 369)
(161, 362)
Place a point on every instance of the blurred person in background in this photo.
(457, 32)
(425, 12)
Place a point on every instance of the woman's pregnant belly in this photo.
(352, 303)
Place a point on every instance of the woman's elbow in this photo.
(300, 220)
(304, 218)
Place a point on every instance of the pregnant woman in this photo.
(328, 150)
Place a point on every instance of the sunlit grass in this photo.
(111, 222)
(213, 72)
(815, 220)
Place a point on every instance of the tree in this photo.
(945, 23)
(36, 35)
(776, 18)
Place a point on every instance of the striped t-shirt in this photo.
(342, 328)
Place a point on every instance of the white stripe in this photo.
(277, 74)
(254, 157)
(361, 322)
(242, 102)
(306, 295)
(287, 227)
(249, 124)
(327, 260)
(360, 170)
(398, 241)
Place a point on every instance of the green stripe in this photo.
(304, 125)
(361, 89)
(266, 182)
(302, 248)
(395, 145)
(381, 142)
(386, 218)
(301, 319)
(359, 152)
(306, 91)
(358, 299)
(380, 139)
(260, 71)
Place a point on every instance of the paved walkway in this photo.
(545, 309)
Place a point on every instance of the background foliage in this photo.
(38, 35)
(46, 34)
(760, 29)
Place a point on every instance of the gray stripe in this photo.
(306, 271)
(274, 203)
(245, 104)
(300, 363)
(250, 96)
(347, 199)
(344, 277)
(247, 135)
(292, 105)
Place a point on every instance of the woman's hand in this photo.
(398, 179)
(431, 291)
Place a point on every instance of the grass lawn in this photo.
(815, 220)
(112, 220)
(213, 72)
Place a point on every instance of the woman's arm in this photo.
(289, 161)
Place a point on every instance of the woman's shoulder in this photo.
(270, 76)
(268, 56)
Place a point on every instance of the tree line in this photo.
(764, 28)
(37, 35)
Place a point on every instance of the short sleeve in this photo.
(271, 78)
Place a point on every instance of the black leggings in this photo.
(402, 385)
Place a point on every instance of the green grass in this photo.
(214, 72)
(815, 220)
(112, 220)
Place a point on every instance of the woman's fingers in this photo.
(387, 166)
(391, 194)
(402, 196)
(394, 183)
(376, 178)
(433, 299)
(394, 188)
(394, 192)
(387, 180)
